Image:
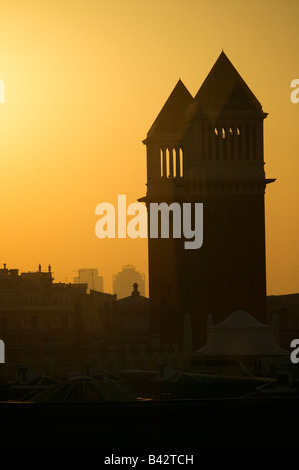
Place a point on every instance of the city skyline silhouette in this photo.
(69, 94)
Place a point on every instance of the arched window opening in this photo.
(167, 162)
(174, 163)
(181, 163)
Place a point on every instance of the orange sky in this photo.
(85, 80)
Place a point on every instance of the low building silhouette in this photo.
(283, 314)
(44, 323)
(134, 311)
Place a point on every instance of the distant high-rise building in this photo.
(123, 281)
(91, 278)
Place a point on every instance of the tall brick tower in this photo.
(209, 149)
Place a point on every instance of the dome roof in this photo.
(82, 389)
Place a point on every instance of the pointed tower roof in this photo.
(224, 90)
(169, 120)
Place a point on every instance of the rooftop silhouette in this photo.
(172, 114)
(224, 90)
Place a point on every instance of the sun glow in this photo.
(84, 82)
(2, 92)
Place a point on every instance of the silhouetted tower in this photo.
(209, 149)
